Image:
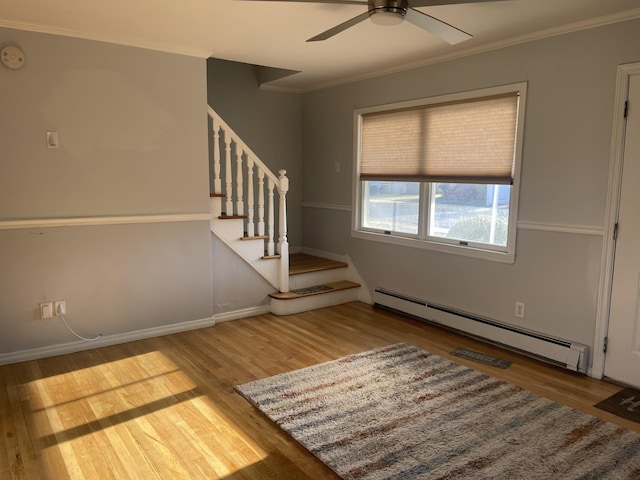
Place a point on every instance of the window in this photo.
(442, 173)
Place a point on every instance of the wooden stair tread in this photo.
(231, 217)
(302, 263)
(270, 257)
(332, 287)
(217, 195)
(255, 237)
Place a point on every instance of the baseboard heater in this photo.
(573, 356)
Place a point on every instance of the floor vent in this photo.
(571, 355)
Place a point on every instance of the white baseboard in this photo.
(77, 346)
(244, 313)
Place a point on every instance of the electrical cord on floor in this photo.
(79, 336)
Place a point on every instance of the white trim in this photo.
(83, 221)
(63, 349)
(243, 313)
(493, 255)
(33, 27)
(503, 257)
(328, 206)
(611, 215)
(560, 228)
(510, 42)
(116, 339)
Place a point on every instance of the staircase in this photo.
(244, 216)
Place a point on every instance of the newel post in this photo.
(283, 243)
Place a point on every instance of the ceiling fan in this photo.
(393, 12)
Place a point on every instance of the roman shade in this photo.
(467, 141)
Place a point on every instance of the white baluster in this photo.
(239, 185)
(228, 176)
(217, 183)
(283, 243)
(270, 221)
(250, 208)
(260, 202)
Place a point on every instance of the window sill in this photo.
(494, 256)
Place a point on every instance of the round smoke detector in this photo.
(12, 57)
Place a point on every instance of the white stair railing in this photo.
(224, 157)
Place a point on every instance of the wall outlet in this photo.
(46, 310)
(60, 307)
(519, 311)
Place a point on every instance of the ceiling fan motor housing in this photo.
(387, 12)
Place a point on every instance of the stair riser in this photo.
(251, 251)
(310, 279)
(231, 229)
(313, 302)
(215, 206)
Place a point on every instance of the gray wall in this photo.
(133, 141)
(237, 286)
(567, 139)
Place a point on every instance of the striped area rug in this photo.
(399, 412)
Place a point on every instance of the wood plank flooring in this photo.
(165, 408)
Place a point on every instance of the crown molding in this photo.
(159, 47)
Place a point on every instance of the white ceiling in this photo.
(273, 33)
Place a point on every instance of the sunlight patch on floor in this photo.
(138, 417)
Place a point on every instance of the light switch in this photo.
(52, 139)
(46, 310)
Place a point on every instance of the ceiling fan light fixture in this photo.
(393, 12)
(387, 17)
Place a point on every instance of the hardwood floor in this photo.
(166, 407)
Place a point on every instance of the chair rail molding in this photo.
(105, 220)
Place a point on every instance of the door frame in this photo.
(611, 216)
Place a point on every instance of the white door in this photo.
(623, 346)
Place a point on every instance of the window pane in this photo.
(391, 206)
(470, 212)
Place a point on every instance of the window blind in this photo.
(468, 141)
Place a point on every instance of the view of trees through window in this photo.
(463, 212)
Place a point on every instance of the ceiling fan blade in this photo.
(446, 32)
(433, 3)
(342, 2)
(340, 28)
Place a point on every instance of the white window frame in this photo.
(475, 250)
